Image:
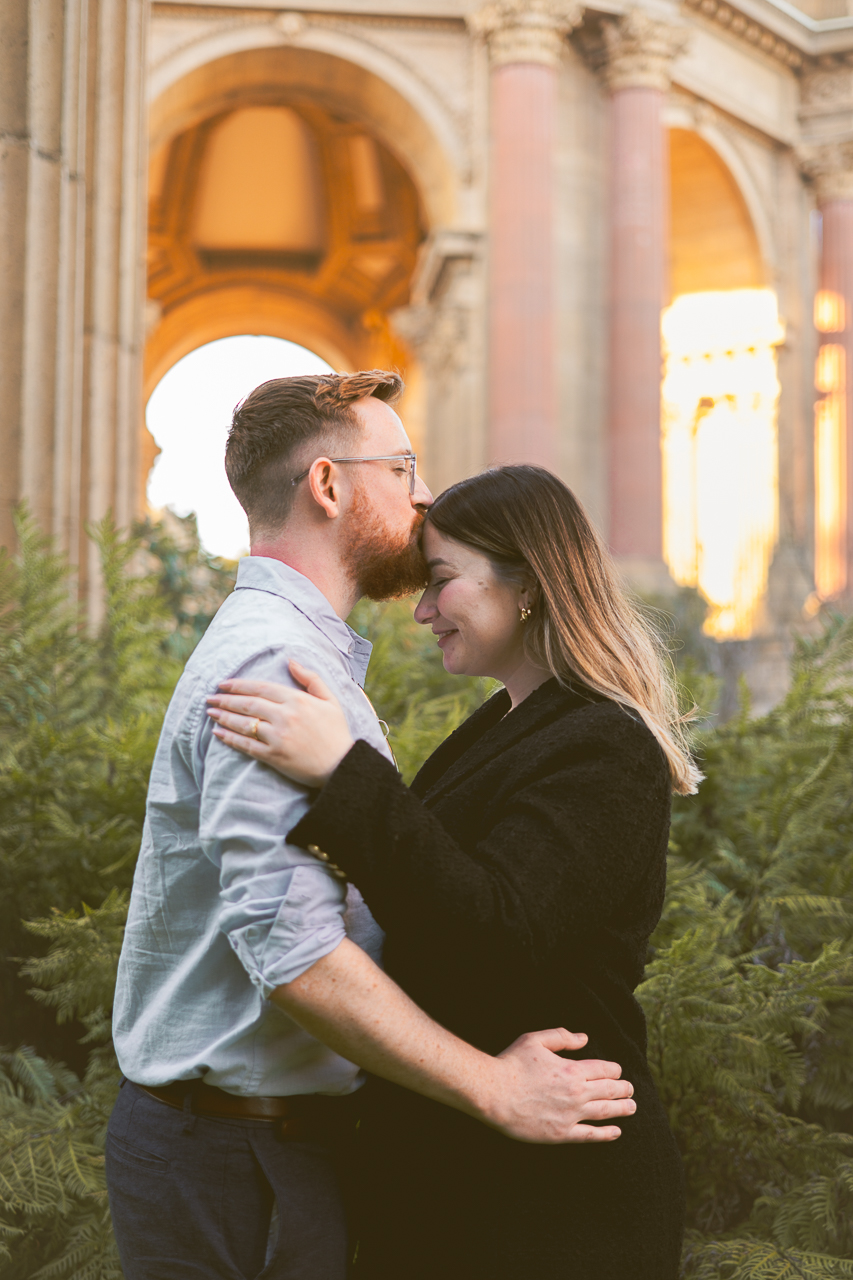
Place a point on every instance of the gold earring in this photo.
(525, 613)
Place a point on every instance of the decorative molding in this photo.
(442, 248)
(290, 24)
(526, 30)
(369, 34)
(264, 12)
(438, 334)
(830, 167)
(827, 87)
(436, 324)
(640, 51)
(723, 15)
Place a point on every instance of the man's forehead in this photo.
(383, 426)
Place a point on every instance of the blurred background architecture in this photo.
(614, 240)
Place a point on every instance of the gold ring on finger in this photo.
(253, 728)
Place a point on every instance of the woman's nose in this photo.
(425, 611)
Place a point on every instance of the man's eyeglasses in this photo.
(410, 460)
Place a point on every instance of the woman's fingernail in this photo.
(632, 1106)
(214, 715)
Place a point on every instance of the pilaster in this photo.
(72, 251)
(443, 327)
(829, 164)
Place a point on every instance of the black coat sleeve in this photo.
(555, 856)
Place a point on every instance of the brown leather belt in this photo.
(299, 1117)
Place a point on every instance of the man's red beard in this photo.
(385, 566)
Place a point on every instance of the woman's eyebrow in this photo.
(431, 564)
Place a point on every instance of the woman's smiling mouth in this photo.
(445, 635)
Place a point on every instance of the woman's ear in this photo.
(529, 595)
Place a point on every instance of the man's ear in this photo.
(323, 485)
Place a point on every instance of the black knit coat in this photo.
(518, 881)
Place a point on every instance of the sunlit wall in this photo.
(720, 395)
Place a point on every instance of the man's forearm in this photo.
(348, 1003)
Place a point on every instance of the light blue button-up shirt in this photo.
(223, 910)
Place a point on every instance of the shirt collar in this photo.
(262, 573)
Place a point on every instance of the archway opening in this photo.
(278, 206)
(189, 413)
(720, 394)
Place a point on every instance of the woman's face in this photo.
(474, 613)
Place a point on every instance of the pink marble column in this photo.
(836, 280)
(640, 52)
(525, 39)
(522, 367)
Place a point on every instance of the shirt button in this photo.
(317, 852)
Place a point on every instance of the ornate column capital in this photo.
(525, 30)
(640, 51)
(830, 167)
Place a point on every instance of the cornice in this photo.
(738, 24)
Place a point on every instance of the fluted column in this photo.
(831, 167)
(71, 252)
(640, 50)
(524, 39)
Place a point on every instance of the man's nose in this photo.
(422, 496)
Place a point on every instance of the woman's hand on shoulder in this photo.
(303, 735)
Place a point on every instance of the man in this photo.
(249, 991)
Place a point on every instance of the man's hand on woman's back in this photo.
(546, 1098)
(527, 1092)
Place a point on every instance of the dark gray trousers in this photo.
(192, 1197)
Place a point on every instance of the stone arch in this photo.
(245, 309)
(714, 239)
(344, 72)
(337, 302)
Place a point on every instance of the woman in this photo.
(518, 881)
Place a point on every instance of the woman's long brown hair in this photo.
(583, 627)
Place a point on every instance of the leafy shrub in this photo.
(748, 993)
(748, 988)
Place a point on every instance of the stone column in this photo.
(71, 247)
(830, 165)
(525, 40)
(640, 50)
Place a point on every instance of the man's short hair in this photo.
(272, 426)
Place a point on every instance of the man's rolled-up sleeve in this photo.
(280, 909)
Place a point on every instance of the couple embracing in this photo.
(382, 1030)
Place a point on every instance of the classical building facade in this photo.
(501, 200)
